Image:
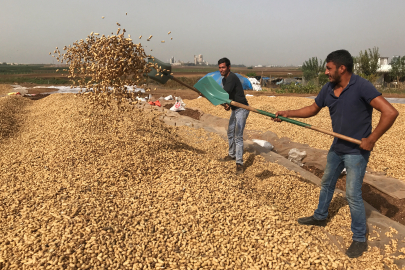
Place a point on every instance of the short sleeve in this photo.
(229, 84)
(320, 98)
(369, 92)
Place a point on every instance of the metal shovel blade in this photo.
(163, 76)
(212, 91)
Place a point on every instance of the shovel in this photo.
(210, 89)
(165, 73)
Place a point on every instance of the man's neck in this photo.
(344, 81)
(226, 75)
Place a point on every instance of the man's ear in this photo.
(342, 69)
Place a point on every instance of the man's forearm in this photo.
(386, 121)
(302, 113)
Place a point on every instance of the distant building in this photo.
(171, 61)
(383, 72)
(198, 60)
(383, 61)
(384, 66)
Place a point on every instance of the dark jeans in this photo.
(355, 167)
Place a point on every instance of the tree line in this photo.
(366, 65)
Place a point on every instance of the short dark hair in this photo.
(341, 58)
(224, 60)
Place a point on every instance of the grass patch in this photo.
(298, 89)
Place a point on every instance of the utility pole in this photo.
(261, 80)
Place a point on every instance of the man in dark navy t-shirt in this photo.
(237, 121)
(350, 100)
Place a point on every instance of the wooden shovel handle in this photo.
(337, 135)
(237, 104)
(243, 106)
(184, 84)
(334, 134)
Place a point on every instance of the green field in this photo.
(190, 69)
(283, 72)
(36, 80)
(28, 69)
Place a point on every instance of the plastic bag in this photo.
(296, 156)
(156, 103)
(264, 144)
(179, 105)
(141, 99)
(169, 97)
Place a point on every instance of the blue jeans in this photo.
(355, 167)
(236, 126)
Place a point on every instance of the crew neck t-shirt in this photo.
(233, 87)
(351, 112)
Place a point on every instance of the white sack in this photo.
(179, 105)
(264, 144)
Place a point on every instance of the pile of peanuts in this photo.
(102, 189)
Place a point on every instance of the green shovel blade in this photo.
(212, 91)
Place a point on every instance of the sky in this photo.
(251, 32)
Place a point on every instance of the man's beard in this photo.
(336, 78)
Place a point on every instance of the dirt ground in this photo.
(188, 112)
(184, 94)
(38, 96)
(41, 90)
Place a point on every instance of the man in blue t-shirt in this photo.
(350, 100)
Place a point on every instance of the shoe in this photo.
(227, 158)
(356, 249)
(312, 221)
(239, 169)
